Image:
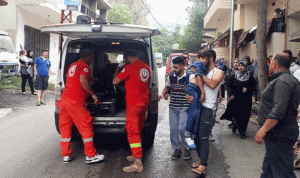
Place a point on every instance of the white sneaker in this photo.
(190, 142)
(67, 159)
(95, 159)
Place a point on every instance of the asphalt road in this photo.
(30, 148)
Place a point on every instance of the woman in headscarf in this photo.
(242, 85)
(221, 65)
(230, 72)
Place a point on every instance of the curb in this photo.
(5, 111)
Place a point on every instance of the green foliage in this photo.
(120, 14)
(137, 9)
(14, 83)
(192, 37)
(163, 43)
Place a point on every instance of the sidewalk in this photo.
(14, 100)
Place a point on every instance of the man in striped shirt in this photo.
(176, 84)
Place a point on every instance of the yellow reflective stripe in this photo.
(135, 145)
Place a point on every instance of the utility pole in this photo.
(261, 48)
(231, 33)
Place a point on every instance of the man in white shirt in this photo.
(212, 82)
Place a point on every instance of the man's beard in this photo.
(207, 64)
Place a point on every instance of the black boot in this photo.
(243, 135)
(234, 128)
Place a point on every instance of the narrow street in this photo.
(30, 148)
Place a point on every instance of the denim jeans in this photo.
(207, 121)
(279, 157)
(177, 120)
(194, 110)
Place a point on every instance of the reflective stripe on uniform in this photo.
(87, 139)
(65, 139)
(135, 145)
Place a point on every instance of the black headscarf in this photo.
(243, 76)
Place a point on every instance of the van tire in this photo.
(148, 141)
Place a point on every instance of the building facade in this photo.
(217, 19)
(22, 19)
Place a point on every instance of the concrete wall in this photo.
(54, 52)
(222, 52)
(248, 50)
(250, 15)
(295, 6)
(293, 26)
(276, 43)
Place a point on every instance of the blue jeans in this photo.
(193, 110)
(207, 121)
(279, 157)
(177, 120)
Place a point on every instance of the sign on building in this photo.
(72, 2)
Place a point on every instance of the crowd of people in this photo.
(194, 91)
(34, 68)
(194, 94)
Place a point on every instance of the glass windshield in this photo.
(6, 44)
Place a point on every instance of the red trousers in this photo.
(72, 112)
(135, 118)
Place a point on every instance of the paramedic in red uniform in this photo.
(136, 75)
(73, 109)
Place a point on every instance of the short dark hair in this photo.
(212, 54)
(283, 60)
(185, 53)
(289, 52)
(86, 53)
(130, 53)
(204, 53)
(178, 60)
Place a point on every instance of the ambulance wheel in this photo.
(148, 140)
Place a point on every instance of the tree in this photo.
(261, 48)
(120, 14)
(192, 38)
(137, 8)
(163, 43)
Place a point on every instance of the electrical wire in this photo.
(153, 15)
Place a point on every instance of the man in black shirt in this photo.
(277, 118)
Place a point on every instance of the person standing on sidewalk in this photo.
(26, 71)
(178, 107)
(212, 83)
(277, 117)
(73, 109)
(41, 70)
(136, 74)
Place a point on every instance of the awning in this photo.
(226, 34)
(247, 37)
